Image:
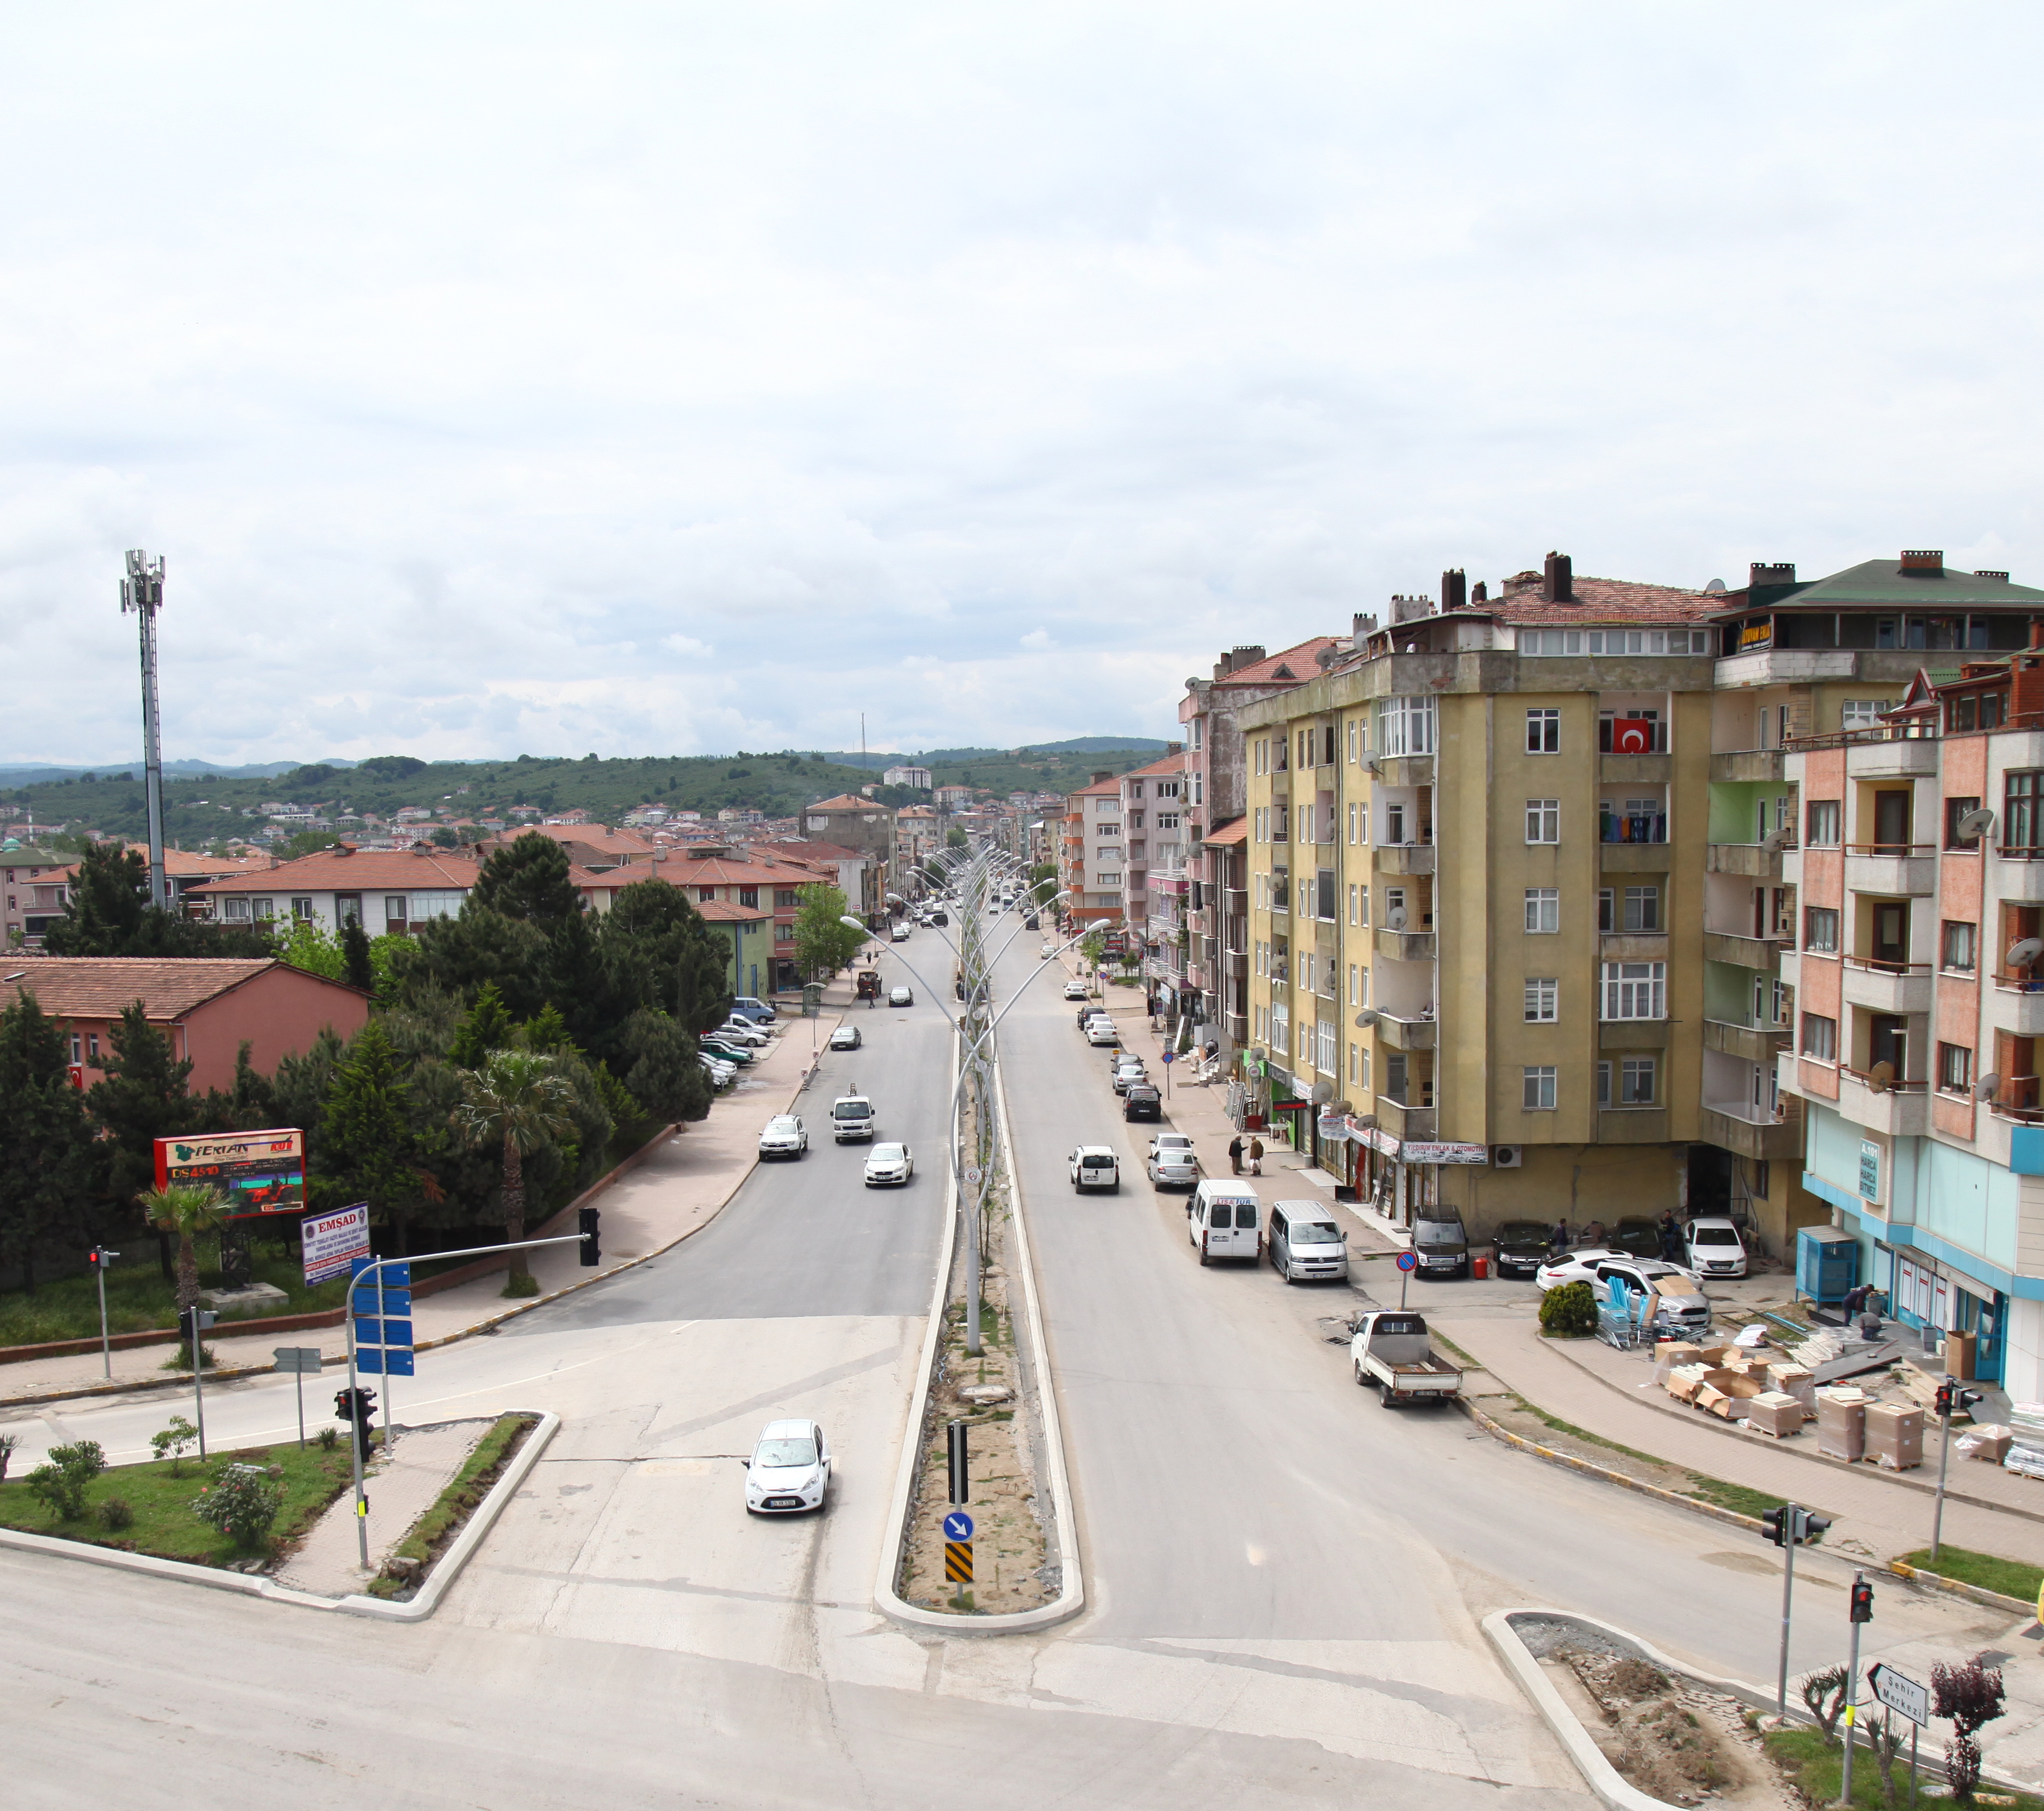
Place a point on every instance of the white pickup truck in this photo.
(1390, 1348)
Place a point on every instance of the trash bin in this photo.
(1479, 1268)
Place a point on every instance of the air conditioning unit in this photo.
(1507, 1157)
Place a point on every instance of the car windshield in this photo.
(781, 1125)
(1522, 1232)
(797, 1452)
(1314, 1233)
(888, 1154)
(1096, 1163)
(852, 1109)
(1713, 1236)
(1437, 1232)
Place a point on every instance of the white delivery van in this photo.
(851, 1118)
(1223, 1221)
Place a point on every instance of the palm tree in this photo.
(186, 1209)
(516, 1096)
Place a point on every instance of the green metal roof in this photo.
(1885, 583)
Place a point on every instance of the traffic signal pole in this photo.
(1788, 1598)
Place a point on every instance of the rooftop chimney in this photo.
(1559, 585)
(1759, 573)
(1362, 627)
(1405, 609)
(1454, 590)
(2001, 578)
(1237, 658)
(1098, 778)
(1481, 594)
(1924, 559)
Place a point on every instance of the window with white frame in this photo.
(1955, 1068)
(1305, 898)
(1363, 900)
(1635, 990)
(1351, 825)
(1263, 1024)
(1364, 999)
(1537, 1085)
(1543, 820)
(1306, 962)
(1549, 642)
(265, 910)
(1327, 1060)
(1405, 726)
(233, 907)
(1636, 1079)
(1820, 1037)
(1280, 1031)
(1863, 713)
(1820, 930)
(1543, 910)
(1352, 748)
(1355, 984)
(1543, 731)
(1543, 991)
(1167, 820)
(1354, 1063)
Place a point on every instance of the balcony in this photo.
(1887, 986)
(1632, 826)
(1406, 945)
(1405, 1033)
(1752, 860)
(1902, 1109)
(2016, 1005)
(1741, 1129)
(2018, 1101)
(1896, 758)
(1405, 769)
(1633, 858)
(1403, 858)
(1403, 1122)
(1900, 869)
(1745, 952)
(1748, 763)
(2019, 876)
(1635, 767)
(1632, 946)
(1756, 1043)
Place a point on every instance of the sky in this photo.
(679, 378)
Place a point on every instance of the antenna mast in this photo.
(142, 591)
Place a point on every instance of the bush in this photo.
(115, 1514)
(329, 1437)
(529, 1285)
(172, 1441)
(1569, 1312)
(8, 1443)
(59, 1482)
(241, 1503)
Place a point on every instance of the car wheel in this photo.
(1356, 1365)
(1386, 1399)
(1203, 1251)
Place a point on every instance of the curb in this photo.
(1958, 1588)
(245, 1584)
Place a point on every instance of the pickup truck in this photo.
(1390, 1348)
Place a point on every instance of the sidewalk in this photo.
(675, 1191)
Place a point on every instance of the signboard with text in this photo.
(259, 1172)
(1416, 1153)
(333, 1242)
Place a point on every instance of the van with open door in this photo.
(1222, 1219)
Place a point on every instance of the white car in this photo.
(1591, 1266)
(1102, 1031)
(888, 1165)
(898, 934)
(1127, 1070)
(901, 997)
(1173, 1167)
(1047, 951)
(721, 1074)
(790, 1470)
(786, 1136)
(1075, 990)
(743, 1031)
(1095, 1166)
(1715, 1248)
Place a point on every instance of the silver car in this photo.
(1173, 1167)
(784, 1136)
(790, 1470)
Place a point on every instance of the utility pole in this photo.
(142, 591)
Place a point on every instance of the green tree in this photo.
(662, 954)
(142, 1098)
(110, 914)
(1043, 882)
(486, 1026)
(458, 955)
(527, 878)
(307, 946)
(186, 1209)
(663, 1073)
(955, 837)
(45, 1139)
(358, 964)
(308, 843)
(824, 944)
(366, 1141)
(518, 1100)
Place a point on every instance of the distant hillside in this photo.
(1102, 745)
(29, 772)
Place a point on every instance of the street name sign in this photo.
(1902, 1694)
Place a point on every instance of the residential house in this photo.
(392, 891)
(1093, 854)
(860, 824)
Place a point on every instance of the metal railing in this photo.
(1894, 850)
(1901, 1084)
(1874, 965)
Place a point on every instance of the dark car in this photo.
(1030, 923)
(1520, 1247)
(1441, 1246)
(1637, 1234)
(1141, 1101)
(940, 918)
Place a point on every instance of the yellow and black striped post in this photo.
(957, 1562)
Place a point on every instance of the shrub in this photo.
(1971, 1695)
(8, 1443)
(242, 1502)
(1569, 1312)
(172, 1442)
(115, 1514)
(329, 1437)
(527, 1284)
(59, 1482)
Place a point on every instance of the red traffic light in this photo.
(1862, 1600)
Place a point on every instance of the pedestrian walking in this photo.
(1235, 1154)
(1557, 1241)
(1256, 1156)
(1671, 1237)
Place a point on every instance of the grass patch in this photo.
(1575, 1433)
(139, 1300)
(454, 1504)
(164, 1524)
(1816, 1770)
(2010, 1577)
(1735, 1497)
(1455, 1351)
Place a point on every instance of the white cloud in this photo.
(672, 379)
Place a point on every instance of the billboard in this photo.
(334, 1243)
(260, 1172)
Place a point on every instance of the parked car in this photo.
(757, 1037)
(1638, 1234)
(889, 1164)
(721, 1075)
(1713, 1248)
(1127, 1073)
(790, 1470)
(1575, 1266)
(758, 1010)
(1172, 1167)
(940, 918)
(846, 1037)
(784, 1136)
(852, 1118)
(1519, 1248)
(1221, 1219)
(1306, 1245)
(1075, 990)
(1047, 951)
(1141, 1101)
(1102, 1031)
(1442, 1247)
(734, 1053)
(1094, 1166)
(901, 997)
(1662, 1298)
(1391, 1348)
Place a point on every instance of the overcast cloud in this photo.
(504, 378)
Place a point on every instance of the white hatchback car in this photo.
(786, 1136)
(889, 1165)
(1715, 1248)
(790, 1470)
(901, 997)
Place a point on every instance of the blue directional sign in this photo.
(382, 1333)
(391, 1275)
(958, 1526)
(373, 1301)
(1407, 1261)
(391, 1360)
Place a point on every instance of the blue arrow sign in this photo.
(1407, 1261)
(958, 1526)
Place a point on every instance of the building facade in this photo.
(1093, 854)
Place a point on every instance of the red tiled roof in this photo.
(350, 871)
(844, 802)
(1298, 660)
(102, 987)
(1228, 835)
(724, 911)
(1165, 763)
(801, 850)
(1599, 601)
(1107, 788)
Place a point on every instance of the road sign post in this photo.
(196, 1321)
(101, 1258)
(1951, 1398)
(1905, 1696)
(1407, 1263)
(1170, 1056)
(299, 1358)
(959, 1459)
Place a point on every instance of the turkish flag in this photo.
(1632, 735)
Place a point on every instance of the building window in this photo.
(784, 933)
(1351, 826)
(785, 896)
(1635, 990)
(1280, 1031)
(1280, 823)
(302, 907)
(1355, 985)
(749, 896)
(1543, 820)
(266, 909)
(1262, 746)
(1352, 918)
(1955, 809)
(1542, 992)
(234, 908)
(1352, 750)
(1821, 823)
(1537, 1088)
(1820, 930)
(1960, 940)
(1262, 1024)
(92, 1048)
(1354, 1051)
(1306, 960)
(1862, 713)
(77, 1048)
(1543, 909)
(1362, 899)
(1820, 1037)
(1955, 1068)
(2021, 820)
(1405, 726)
(1329, 1059)
(1635, 1080)
(1324, 882)
(1543, 732)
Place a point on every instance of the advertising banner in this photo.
(333, 1241)
(1415, 1152)
(260, 1172)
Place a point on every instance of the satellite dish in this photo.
(1323, 1091)
(1974, 825)
(1776, 840)
(1881, 1076)
(1396, 921)
(1714, 588)
(1370, 762)
(1988, 1087)
(2021, 955)
(1366, 1123)
(1365, 1019)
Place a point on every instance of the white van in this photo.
(1222, 1220)
(851, 1118)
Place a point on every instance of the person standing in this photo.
(1235, 1154)
(1256, 1156)
(1671, 1237)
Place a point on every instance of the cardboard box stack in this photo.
(1773, 1412)
(1895, 1436)
(1794, 1379)
(1989, 1442)
(1842, 1422)
(2025, 1446)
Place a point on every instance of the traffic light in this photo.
(1945, 1399)
(357, 1405)
(99, 1259)
(1862, 1600)
(1778, 1532)
(1792, 1526)
(1809, 1525)
(592, 1253)
(194, 1322)
(1967, 1398)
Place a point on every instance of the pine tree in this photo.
(356, 968)
(45, 1139)
(486, 1027)
(527, 878)
(366, 1128)
(143, 1098)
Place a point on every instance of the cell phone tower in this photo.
(142, 591)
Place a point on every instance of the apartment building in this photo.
(1093, 853)
(1153, 875)
(1477, 966)
(1906, 709)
